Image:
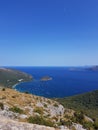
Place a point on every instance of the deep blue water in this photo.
(64, 83)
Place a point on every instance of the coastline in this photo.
(13, 87)
(19, 82)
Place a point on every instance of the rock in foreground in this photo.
(7, 124)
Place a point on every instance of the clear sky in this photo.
(48, 32)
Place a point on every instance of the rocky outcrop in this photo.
(17, 110)
(25, 107)
(8, 124)
(78, 126)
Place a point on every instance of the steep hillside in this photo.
(29, 108)
(23, 107)
(87, 103)
(9, 77)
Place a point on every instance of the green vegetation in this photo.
(88, 103)
(96, 125)
(26, 92)
(78, 117)
(83, 104)
(48, 101)
(40, 120)
(68, 123)
(10, 77)
(55, 105)
(16, 110)
(45, 105)
(39, 110)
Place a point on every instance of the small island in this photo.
(46, 78)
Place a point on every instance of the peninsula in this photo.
(10, 77)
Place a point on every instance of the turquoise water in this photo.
(65, 82)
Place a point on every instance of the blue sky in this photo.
(48, 32)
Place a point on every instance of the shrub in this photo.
(55, 118)
(1, 106)
(40, 120)
(45, 105)
(26, 92)
(79, 117)
(16, 109)
(39, 110)
(3, 89)
(96, 125)
(88, 125)
(13, 96)
(55, 105)
(48, 101)
(63, 122)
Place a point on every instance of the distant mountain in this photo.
(93, 68)
(10, 77)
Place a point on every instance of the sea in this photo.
(66, 81)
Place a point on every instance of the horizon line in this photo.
(47, 66)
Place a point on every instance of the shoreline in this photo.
(19, 82)
(13, 87)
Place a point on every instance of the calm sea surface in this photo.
(65, 82)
